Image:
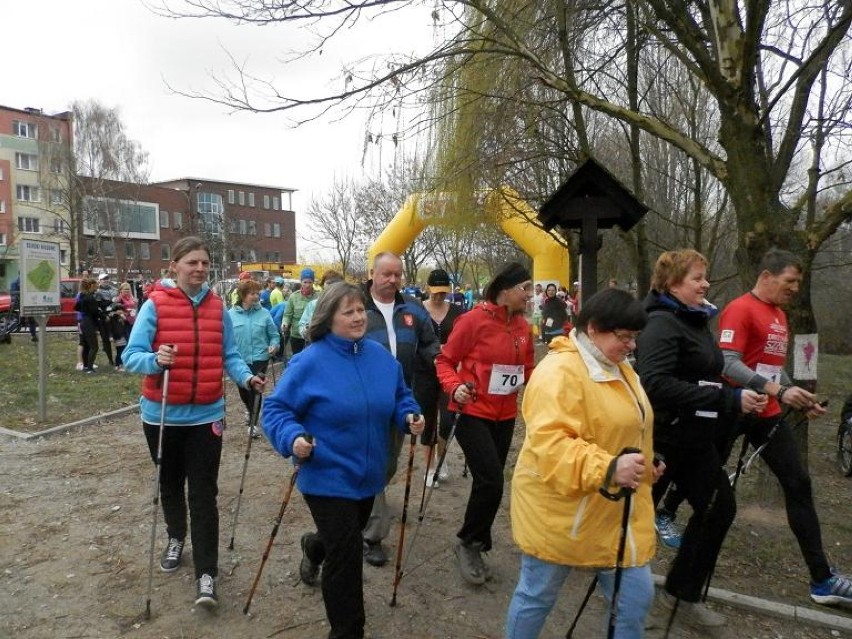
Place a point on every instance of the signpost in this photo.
(40, 275)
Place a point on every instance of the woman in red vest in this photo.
(183, 327)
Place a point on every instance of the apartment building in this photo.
(129, 230)
(34, 184)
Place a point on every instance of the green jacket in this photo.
(296, 304)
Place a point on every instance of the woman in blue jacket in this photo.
(331, 410)
(255, 334)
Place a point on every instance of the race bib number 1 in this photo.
(506, 379)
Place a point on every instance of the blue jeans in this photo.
(539, 585)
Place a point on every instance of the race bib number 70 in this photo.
(506, 379)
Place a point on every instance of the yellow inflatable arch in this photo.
(550, 258)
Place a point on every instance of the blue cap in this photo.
(279, 280)
(307, 274)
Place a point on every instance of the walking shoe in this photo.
(471, 566)
(431, 481)
(205, 592)
(170, 560)
(80, 366)
(308, 570)
(374, 553)
(834, 590)
(253, 432)
(693, 614)
(669, 532)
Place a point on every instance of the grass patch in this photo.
(71, 394)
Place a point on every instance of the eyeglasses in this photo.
(625, 337)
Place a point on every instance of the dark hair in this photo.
(611, 309)
(188, 244)
(776, 260)
(330, 277)
(507, 277)
(327, 306)
(547, 288)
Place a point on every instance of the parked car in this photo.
(5, 302)
(68, 289)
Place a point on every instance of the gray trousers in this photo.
(379, 522)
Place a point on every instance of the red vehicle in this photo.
(68, 289)
(5, 302)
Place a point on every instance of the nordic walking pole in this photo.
(255, 412)
(627, 494)
(155, 502)
(287, 493)
(424, 503)
(398, 570)
(426, 476)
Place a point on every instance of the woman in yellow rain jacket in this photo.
(583, 407)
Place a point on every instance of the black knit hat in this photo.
(510, 275)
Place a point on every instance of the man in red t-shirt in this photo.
(753, 336)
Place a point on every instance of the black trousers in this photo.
(434, 404)
(103, 329)
(257, 368)
(701, 479)
(784, 460)
(485, 445)
(190, 467)
(89, 340)
(338, 546)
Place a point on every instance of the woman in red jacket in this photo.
(483, 365)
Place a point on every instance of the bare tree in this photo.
(335, 225)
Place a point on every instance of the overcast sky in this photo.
(119, 53)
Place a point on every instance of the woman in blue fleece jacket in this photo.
(331, 410)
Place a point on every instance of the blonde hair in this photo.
(672, 267)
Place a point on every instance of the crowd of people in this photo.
(634, 408)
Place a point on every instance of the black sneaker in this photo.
(374, 554)
(170, 560)
(308, 570)
(205, 593)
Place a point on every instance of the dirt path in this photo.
(74, 534)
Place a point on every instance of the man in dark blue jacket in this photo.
(400, 324)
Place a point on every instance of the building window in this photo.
(242, 227)
(2, 239)
(275, 204)
(28, 193)
(2, 206)
(24, 129)
(252, 227)
(267, 229)
(1, 173)
(241, 198)
(55, 135)
(63, 256)
(211, 208)
(252, 255)
(120, 218)
(26, 161)
(60, 226)
(55, 165)
(251, 198)
(164, 219)
(276, 229)
(108, 248)
(266, 202)
(55, 196)
(90, 249)
(128, 250)
(28, 225)
(165, 252)
(177, 220)
(230, 196)
(144, 251)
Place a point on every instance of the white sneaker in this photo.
(430, 479)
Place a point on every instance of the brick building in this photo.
(34, 184)
(128, 230)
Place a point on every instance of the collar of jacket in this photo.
(343, 345)
(695, 314)
(398, 297)
(600, 368)
(497, 311)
